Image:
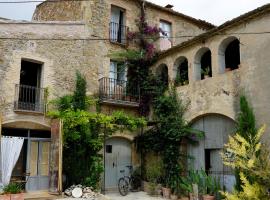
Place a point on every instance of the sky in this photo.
(213, 11)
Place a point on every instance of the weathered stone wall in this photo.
(59, 11)
(220, 94)
(63, 48)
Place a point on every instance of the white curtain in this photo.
(115, 18)
(10, 151)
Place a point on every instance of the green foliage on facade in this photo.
(252, 160)
(166, 135)
(84, 135)
(246, 127)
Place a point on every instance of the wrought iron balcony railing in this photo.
(118, 33)
(29, 98)
(115, 91)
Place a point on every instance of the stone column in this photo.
(55, 176)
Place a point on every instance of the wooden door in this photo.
(117, 157)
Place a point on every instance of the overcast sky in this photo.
(214, 11)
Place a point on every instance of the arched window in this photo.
(162, 74)
(181, 71)
(229, 54)
(203, 64)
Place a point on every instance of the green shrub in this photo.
(12, 188)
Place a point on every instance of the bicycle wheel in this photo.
(123, 186)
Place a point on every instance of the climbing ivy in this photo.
(84, 132)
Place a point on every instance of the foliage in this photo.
(84, 134)
(246, 123)
(12, 188)
(252, 159)
(154, 170)
(206, 71)
(166, 135)
(246, 127)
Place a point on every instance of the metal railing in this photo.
(118, 91)
(29, 98)
(118, 33)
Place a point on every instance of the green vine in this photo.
(84, 134)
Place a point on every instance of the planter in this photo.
(166, 192)
(18, 196)
(174, 197)
(208, 197)
(5, 197)
(145, 186)
(192, 196)
(206, 76)
(228, 69)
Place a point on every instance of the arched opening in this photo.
(206, 153)
(229, 54)
(203, 64)
(162, 74)
(181, 71)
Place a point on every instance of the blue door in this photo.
(117, 157)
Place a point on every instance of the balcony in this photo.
(117, 92)
(118, 33)
(29, 99)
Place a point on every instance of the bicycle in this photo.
(125, 182)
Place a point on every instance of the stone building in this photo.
(38, 61)
(236, 54)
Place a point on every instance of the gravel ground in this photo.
(132, 196)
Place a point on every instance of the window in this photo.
(117, 25)
(165, 41)
(118, 72)
(166, 27)
(181, 70)
(108, 148)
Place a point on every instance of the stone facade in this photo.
(220, 93)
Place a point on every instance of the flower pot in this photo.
(227, 69)
(18, 196)
(192, 196)
(208, 197)
(5, 197)
(206, 76)
(166, 192)
(174, 197)
(145, 186)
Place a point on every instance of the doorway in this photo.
(34, 157)
(206, 153)
(29, 90)
(117, 157)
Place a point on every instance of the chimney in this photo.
(169, 6)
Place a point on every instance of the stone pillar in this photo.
(55, 183)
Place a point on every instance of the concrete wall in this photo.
(220, 94)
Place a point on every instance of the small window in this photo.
(108, 148)
(166, 27)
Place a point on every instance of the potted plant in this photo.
(206, 72)
(174, 185)
(153, 173)
(227, 69)
(14, 191)
(185, 188)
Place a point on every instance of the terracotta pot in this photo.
(208, 197)
(206, 76)
(228, 69)
(174, 197)
(5, 197)
(166, 192)
(18, 196)
(192, 196)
